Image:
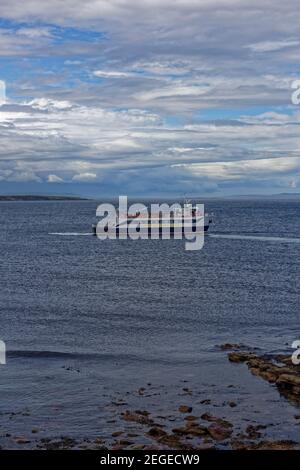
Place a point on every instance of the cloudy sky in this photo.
(152, 97)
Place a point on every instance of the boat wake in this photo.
(211, 235)
(71, 234)
(256, 238)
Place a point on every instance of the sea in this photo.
(96, 327)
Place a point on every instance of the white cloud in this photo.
(5, 174)
(162, 66)
(45, 104)
(35, 33)
(2, 92)
(24, 177)
(42, 140)
(166, 68)
(173, 91)
(54, 179)
(85, 177)
(111, 74)
(234, 170)
(271, 46)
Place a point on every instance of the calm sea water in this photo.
(87, 322)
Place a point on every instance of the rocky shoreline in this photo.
(276, 369)
(189, 428)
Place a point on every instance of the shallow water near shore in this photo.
(94, 328)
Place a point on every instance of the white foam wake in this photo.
(256, 238)
(71, 234)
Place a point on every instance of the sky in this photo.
(149, 98)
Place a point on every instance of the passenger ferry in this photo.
(181, 220)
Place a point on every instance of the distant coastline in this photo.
(293, 196)
(40, 198)
(242, 197)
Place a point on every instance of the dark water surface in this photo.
(89, 322)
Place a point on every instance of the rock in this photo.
(284, 359)
(207, 417)
(156, 432)
(172, 442)
(117, 433)
(289, 386)
(98, 440)
(180, 431)
(265, 374)
(197, 431)
(232, 404)
(68, 441)
(117, 447)
(227, 346)
(191, 424)
(190, 418)
(239, 356)
(191, 430)
(124, 442)
(218, 432)
(137, 418)
(276, 445)
(253, 432)
(289, 380)
(266, 369)
(237, 444)
(286, 378)
(205, 446)
(185, 409)
(137, 447)
(215, 419)
(22, 440)
(142, 412)
(205, 402)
